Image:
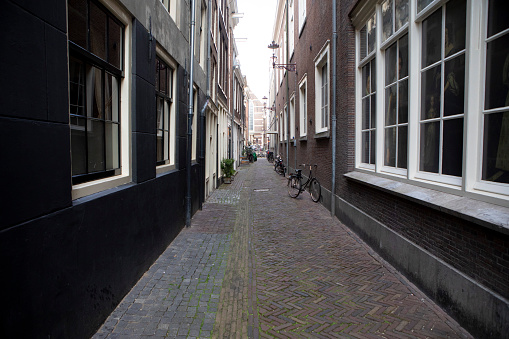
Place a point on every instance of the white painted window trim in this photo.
(302, 15)
(303, 103)
(91, 187)
(470, 185)
(161, 53)
(194, 126)
(292, 116)
(322, 58)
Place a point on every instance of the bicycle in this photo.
(270, 157)
(295, 186)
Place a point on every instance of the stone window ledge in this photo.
(304, 138)
(322, 135)
(488, 215)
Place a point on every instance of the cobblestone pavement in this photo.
(256, 263)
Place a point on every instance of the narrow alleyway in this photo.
(257, 263)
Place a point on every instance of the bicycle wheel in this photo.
(294, 185)
(315, 190)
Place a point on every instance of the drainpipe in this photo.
(287, 91)
(190, 115)
(333, 107)
(202, 113)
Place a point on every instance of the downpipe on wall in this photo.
(333, 107)
(190, 115)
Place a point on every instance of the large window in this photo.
(96, 68)
(302, 14)
(165, 115)
(495, 161)
(303, 110)
(292, 117)
(420, 112)
(322, 94)
(368, 91)
(443, 90)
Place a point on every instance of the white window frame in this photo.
(471, 183)
(194, 129)
(91, 187)
(291, 30)
(292, 116)
(302, 15)
(322, 58)
(172, 128)
(303, 102)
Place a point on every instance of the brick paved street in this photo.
(257, 263)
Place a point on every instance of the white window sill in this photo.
(488, 215)
(322, 134)
(92, 187)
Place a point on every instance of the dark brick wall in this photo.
(478, 252)
(317, 30)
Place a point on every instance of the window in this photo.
(395, 135)
(302, 14)
(96, 68)
(322, 103)
(303, 114)
(194, 124)
(433, 127)
(443, 90)
(165, 113)
(495, 156)
(292, 117)
(251, 115)
(291, 30)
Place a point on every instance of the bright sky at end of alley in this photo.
(256, 26)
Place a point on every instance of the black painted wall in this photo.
(66, 264)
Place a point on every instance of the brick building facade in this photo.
(421, 179)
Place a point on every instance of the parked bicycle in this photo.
(295, 186)
(279, 167)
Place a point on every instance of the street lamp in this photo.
(290, 68)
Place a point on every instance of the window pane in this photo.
(452, 158)
(373, 76)
(111, 99)
(365, 113)
(366, 81)
(364, 42)
(166, 125)
(371, 34)
(373, 111)
(497, 73)
(114, 43)
(401, 13)
(430, 93)
(166, 139)
(78, 146)
(421, 4)
(497, 16)
(95, 143)
(112, 146)
(160, 110)
(386, 19)
(430, 143)
(455, 26)
(432, 38)
(403, 57)
(496, 148)
(97, 31)
(77, 16)
(76, 87)
(454, 86)
(390, 105)
(94, 92)
(390, 147)
(372, 136)
(402, 146)
(403, 102)
(390, 64)
(160, 146)
(365, 147)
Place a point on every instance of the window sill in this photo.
(488, 215)
(322, 135)
(303, 138)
